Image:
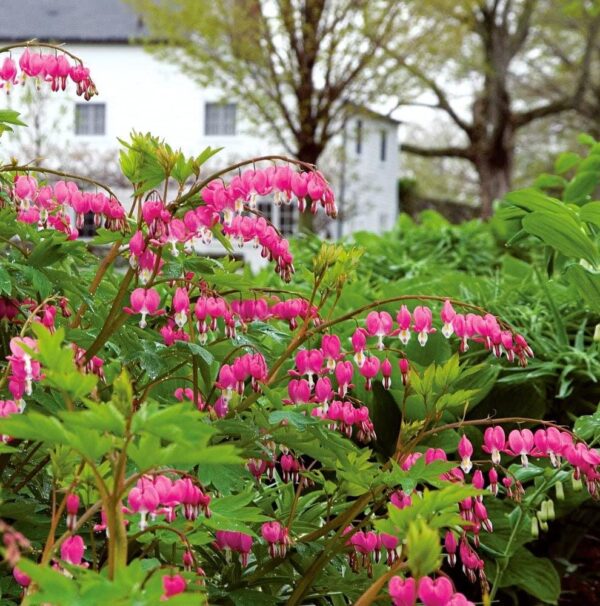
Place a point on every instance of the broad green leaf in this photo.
(562, 233)
(536, 576)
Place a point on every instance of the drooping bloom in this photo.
(403, 591)
(521, 442)
(72, 507)
(72, 549)
(494, 441)
(422, 323)
(181, 306)
(465, 451)
(435, 593)
(144, 301)
(404, 320)
(447, 315)
(173, 585)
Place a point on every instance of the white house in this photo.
(137, 91)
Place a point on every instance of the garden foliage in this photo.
(174, 428)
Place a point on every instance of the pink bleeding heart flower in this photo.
(369, 370)
(173, 585)
(343, 373)
(21, 578)
(181, 306)
(386, 372)
(144, 301)
(435, 593)
(447, 316)
(72, 549)
(422, 323)
(494, 442)
(72, 507)
(379, 324)
(521, 442)
(404, 320)
(331, 348)
(359, 344)
(465, 452)
(403, 591)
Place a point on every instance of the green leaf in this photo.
(424, 549)
(10, 116)
(35, 426)
(587, 283)
(49, 251)
(562, 233)
(590, 213)
(587, 427)
(581, 187)
(291, 417)
(536, 576)
(5, 281)
(566, 161)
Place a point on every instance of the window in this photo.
(383, 148)
(90, 119)
(219, 119)
(88, 229)
(359, 136)
(287, 219)
(265, 208)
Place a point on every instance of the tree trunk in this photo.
(494, 182)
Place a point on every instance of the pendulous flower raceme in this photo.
(54, 68)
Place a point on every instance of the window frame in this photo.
(358, 137)
(383, 145)
(86, 115)
(217, 125)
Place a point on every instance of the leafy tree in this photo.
(519, 62)
(293, 65)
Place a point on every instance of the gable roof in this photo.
(108, 21)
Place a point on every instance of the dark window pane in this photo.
(288, 218)
(359, 136)
(90, 119)
(220, 119)
(383, 150)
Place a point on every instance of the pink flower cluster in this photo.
(46, 206)
(159, 495)
(282, 181)
(277, 537)
(55, 69)
(72, 550)
(24, 370)
(273, 246)
(7, 408)
(219, 409)
(483, 329)
(367, 548)
(290, 466)
(232, 377)
(438, 592)
(551, 443)
(234, 541)
(173, 585)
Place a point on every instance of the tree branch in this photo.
(521, 119)
(440, 152)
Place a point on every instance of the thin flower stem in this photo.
(34, 43)
(59, 173)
